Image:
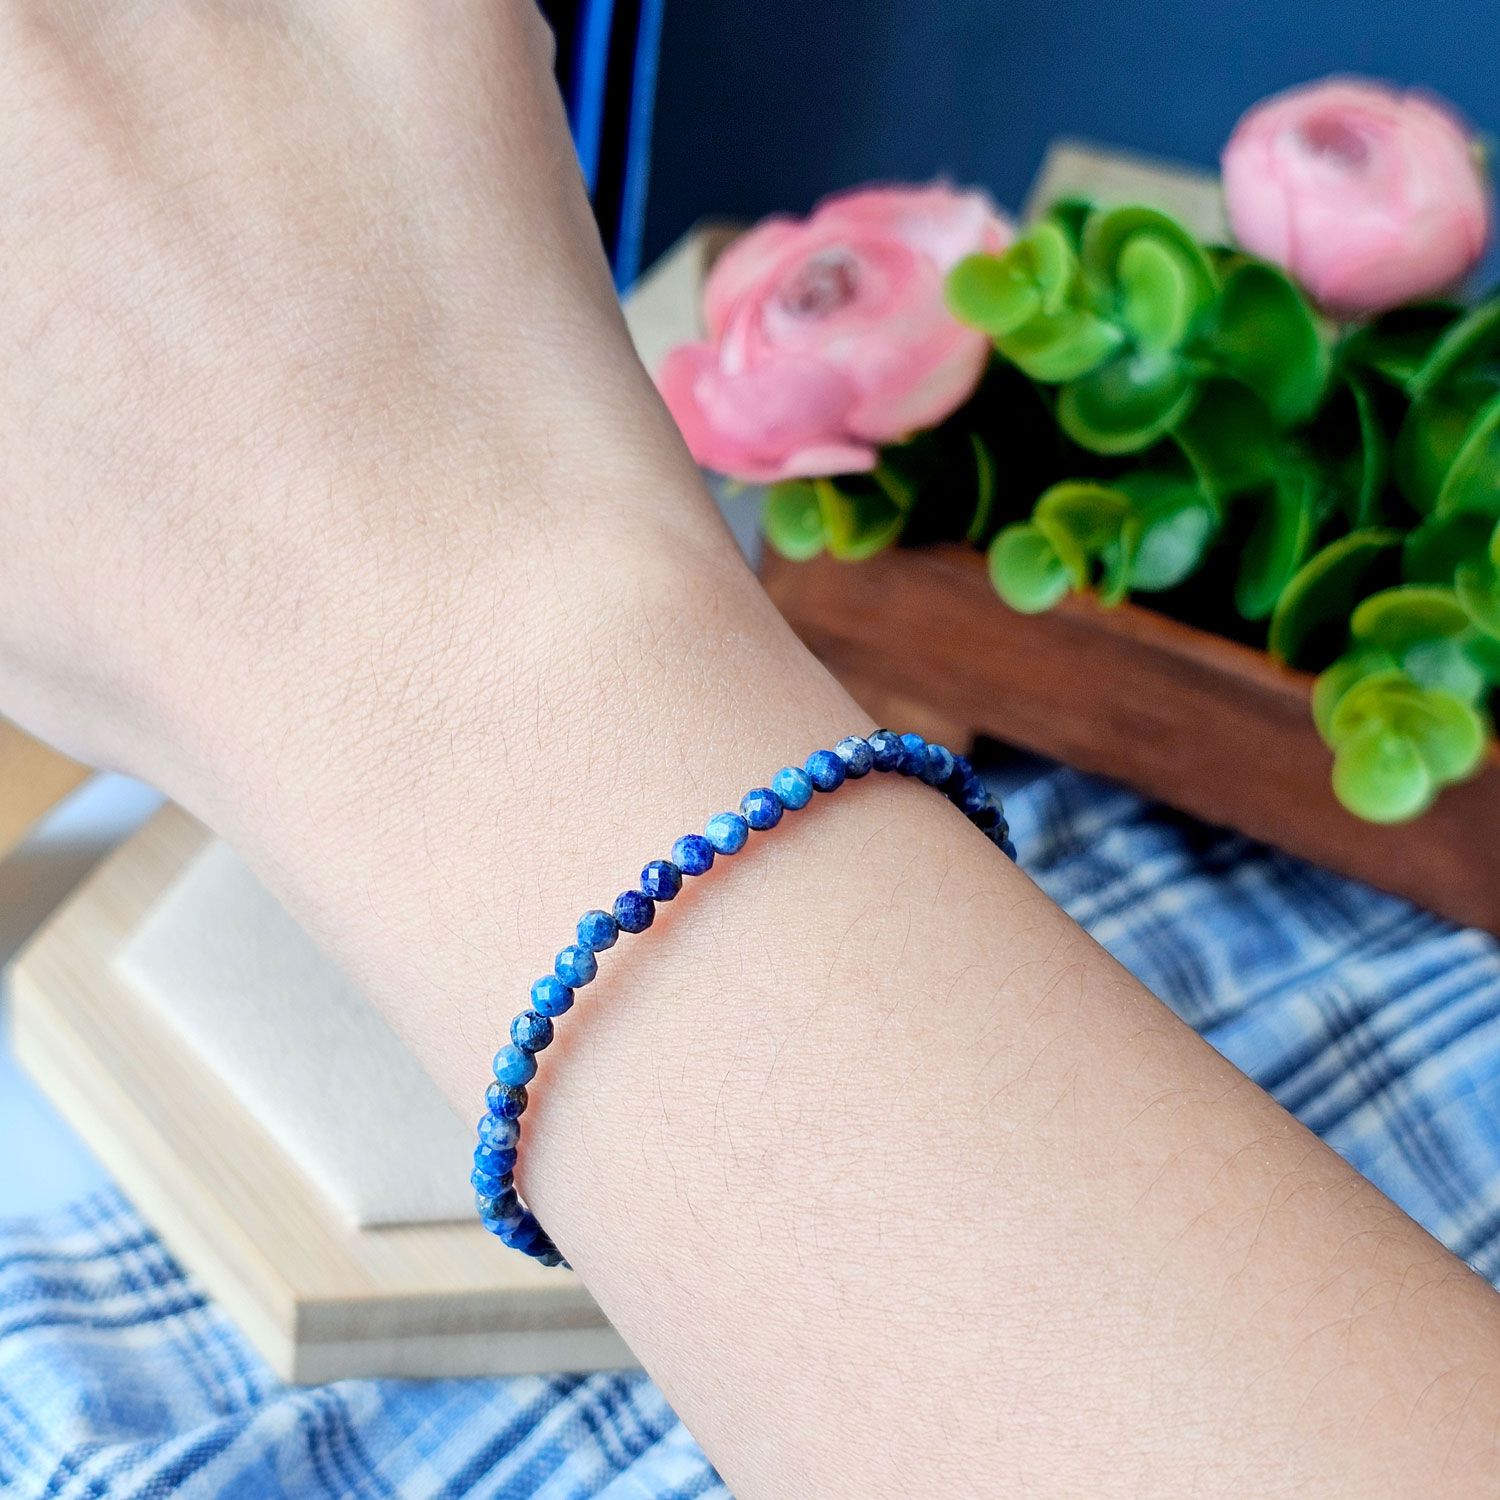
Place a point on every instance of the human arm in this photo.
(341, 508)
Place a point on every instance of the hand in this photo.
(291, 305)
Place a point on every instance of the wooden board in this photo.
(318, 1298)
(1191, 719)
(33, 779)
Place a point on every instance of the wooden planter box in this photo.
(919, 637)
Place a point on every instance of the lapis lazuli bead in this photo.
(498, 1134)
(857, 756)
(502, 1215)
(693, 854)
(986, 818)
(792, 785)
(761, 808)
(913, 755)
(506, 1100)
(885, 746)
(491, 1184)
(597, 930)
(825, 770)
(575, 966)
(531, 1032)
(493, 1177)
(727, 832)
(513, 1066)
(550, 996)
(939, 765)
(661, 880)
(974, 796)
(494, 1161)
(634, 911)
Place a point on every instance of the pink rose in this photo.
(829, 336)
(1368, 196)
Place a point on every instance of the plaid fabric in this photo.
(1376, 1024)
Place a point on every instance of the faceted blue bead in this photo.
(727, 832)
(494, 1160)
(550, 996)
(661, 880)
(939, 765)
(513, 1066)
(857, 756)
(1008, 849)
(791, 784)
(825, 770)
(973, 797)
(986, 818)
(505, 1100)
(531, 1032)
(913, 755)
(503, 1214)
(498, 1134)
(885, 746)
(575, 966)
(597, 930)
(491, 1184)
(634, 911)
(524, 1234)
(761, 808)
(693, 854)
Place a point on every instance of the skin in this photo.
(336, 504)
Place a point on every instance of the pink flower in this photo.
(828, 336)
(1366, 195)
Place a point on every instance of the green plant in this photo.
(1170, 418)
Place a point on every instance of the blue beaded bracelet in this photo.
(500, 1209)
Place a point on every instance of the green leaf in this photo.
(792, 521)
(1056, 349)
(1474, 337)
(1166, 532)
(1380, 776)
(1350, 440)
(1335, 682)
(1477, 586)
(984, 490)
(1107, 234)
(995, 294)
(1156, 291)
(1262, 331)
(1448, 448)
(1398, 343)
(1000, 294)
(1279, 541)
(1399, 618)
(1025, 569)
(1383, 726)
(859, 517)
(1082, 521)
(1227, 438)
(1315, 605)
(1447, 733)
(1448, 664)
(1434, 550)
(1071, 214)
(1127, 404)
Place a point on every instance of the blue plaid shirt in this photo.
(1376, 1024)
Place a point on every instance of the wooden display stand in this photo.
(1189, 718)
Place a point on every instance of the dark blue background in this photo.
(770, 105)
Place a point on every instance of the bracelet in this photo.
(500, 1209)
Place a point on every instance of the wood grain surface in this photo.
(1188, 718)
